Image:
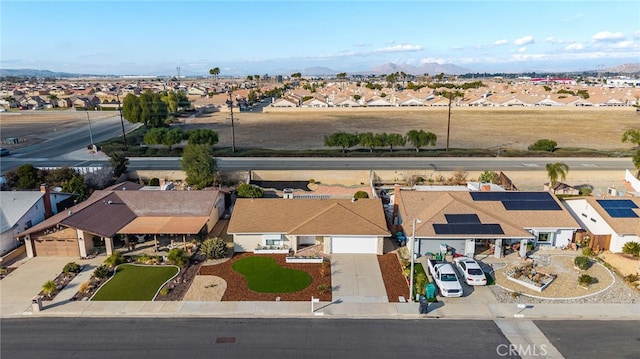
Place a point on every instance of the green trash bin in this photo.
(430, 291)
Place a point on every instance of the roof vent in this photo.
(109, 202)
(70, 212)
(353, 199)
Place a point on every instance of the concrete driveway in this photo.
(357, 278)
(20, 286)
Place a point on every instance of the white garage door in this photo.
(354, 245)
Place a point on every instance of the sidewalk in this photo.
(341, 310)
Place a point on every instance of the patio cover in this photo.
(165, 225)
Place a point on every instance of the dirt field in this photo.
(596, 128)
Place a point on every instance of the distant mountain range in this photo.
(388, 68)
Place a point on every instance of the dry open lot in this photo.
(596, 128)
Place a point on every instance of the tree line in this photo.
(174, 136)
(417, 138)
(153, 109)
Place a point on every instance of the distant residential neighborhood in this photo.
(396, 90)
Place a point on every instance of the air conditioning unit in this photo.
(287, 193)
(612, 191)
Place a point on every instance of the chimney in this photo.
(485, 187)
(48, 212)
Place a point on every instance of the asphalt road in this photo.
(240, 338)
(288, 163)
(299, 338)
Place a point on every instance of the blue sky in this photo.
(279, 37)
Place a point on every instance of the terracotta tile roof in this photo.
(309, 216)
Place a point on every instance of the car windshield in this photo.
(475, 271)
(449, 278)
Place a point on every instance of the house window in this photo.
(28, 225)
(272, 239)
(593, 220)
(545, 237)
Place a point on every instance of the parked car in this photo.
(4, 151)
(470, 271)
(445, 278)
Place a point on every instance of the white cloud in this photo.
(550, 39)
(636, 35)
(574, 46)
(430, 60)
(607, 36)
(399, 48)
(627, 44)
(456, 48)
(500, 42)
(522, 49)
(524, 40)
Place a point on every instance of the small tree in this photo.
(421, 139)
(395, 140)
(586, 280)
(199, 165)
(202, 136)
(631, 136)
(360, 195)
(544, 145)
(178, 257)
(49, 287)
(632, 248)
(555, 171)
(341, 139)
(246, 190)
(119, 163)
(214, 248)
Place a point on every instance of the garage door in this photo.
(57, 248)
(354, 245)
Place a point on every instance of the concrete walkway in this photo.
(357, 278)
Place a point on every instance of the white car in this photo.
(445, 278)
(470, 271)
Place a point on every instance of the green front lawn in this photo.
(134, 282)
(264, 275)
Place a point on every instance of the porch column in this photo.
(184, 241)
(81, 244)
(108, 243)
(498, 248)
(155, 242)
(28, 243)
(523, 248)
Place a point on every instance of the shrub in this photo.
(421, 283)
(71, 267)
(49, 287)
(360, 195)
(582, 262)
(101, 272)
(178, 257)
(146, 259)
(164, 291)
(587, 252)
(631, 278)
(246, 190)
(115, 259)
(84, 286)
(323, 288)
(154, 181)
(544, 145)
(585, 191)
(632, 248)
(586, 280)
(214, 248)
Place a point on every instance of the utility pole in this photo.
(90, 134)
(233, 131)
(449, 122)
(124, 137)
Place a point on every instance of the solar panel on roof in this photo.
(459, 228)
(511, 196)
(531, 205)
(462, 218)
(621, 213)
(616, 203)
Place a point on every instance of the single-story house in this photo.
(617, 219)
(21, 210)
(124, 209)
(339, 225)
(561, 188)
(459, 220)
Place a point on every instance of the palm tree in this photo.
(215, 72)
(555, 171)
(53, 100)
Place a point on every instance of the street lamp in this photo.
(413, 243)
(90, 134)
